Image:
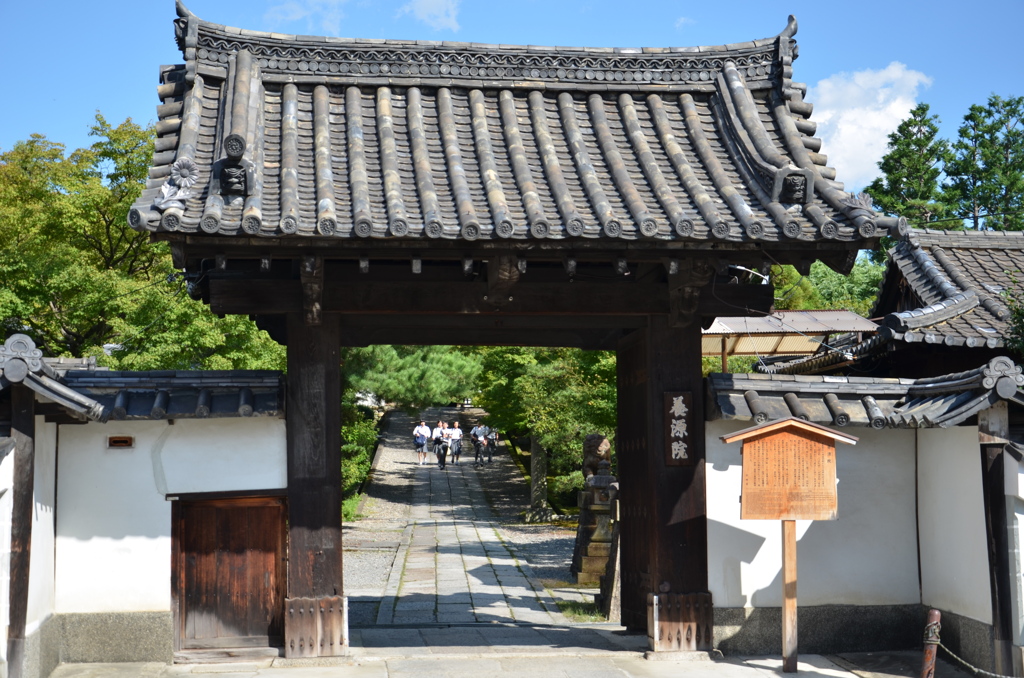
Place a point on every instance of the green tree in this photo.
(854, 292)
(559, 395)
(80, 282)
(793, 291)
(985, 171)
(412, 377)
(823, 288)
(911, 168)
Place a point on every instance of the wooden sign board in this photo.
(789, 471)
(788, 476)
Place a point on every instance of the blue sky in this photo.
(866, 63)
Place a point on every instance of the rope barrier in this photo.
(973, 669)
(931, 637)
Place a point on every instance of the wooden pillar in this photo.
(23, 431)
(789, 637)
(993, 431)
(313, 407)
(662, 500)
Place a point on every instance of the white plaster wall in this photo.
(114, 524)
(41, 568)
(868, 556)
(954, 553)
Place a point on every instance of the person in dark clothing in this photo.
(440, 443)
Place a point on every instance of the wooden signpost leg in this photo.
(789, 656)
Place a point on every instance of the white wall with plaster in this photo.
(114, 528)
(868, 556)
(41, 567)
(954, 552)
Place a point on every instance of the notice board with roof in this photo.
(789, 470)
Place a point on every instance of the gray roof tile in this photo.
(392, 197)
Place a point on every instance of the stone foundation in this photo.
(825, 629)
(91, 638)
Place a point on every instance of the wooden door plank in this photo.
(204, 608)
(232, 596)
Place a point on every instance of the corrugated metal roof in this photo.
(781, 333)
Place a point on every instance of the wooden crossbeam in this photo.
(246, 296)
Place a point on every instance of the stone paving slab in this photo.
(447, 665)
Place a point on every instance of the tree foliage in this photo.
(559, 395)
(80, 282)
(823, 288)
(976, 180)
(909, 185)
(412, 377)
(985, 169)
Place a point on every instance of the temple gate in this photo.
(350, 192)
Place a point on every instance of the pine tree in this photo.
(909, 185)
(986, 168)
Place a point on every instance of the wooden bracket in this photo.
(685, 280)
(311, 274)
(502, 274)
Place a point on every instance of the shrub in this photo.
(358, 441)
(562, 489)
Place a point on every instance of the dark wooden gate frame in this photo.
(648, 308)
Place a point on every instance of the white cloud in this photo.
(438, 14)
(683, 21)
(320, 16)
(856, 112)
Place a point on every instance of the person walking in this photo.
(456, 441)
(440, 443)
(420, 436)
(478, 434)
(492, 443)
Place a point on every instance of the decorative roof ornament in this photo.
(470, 142)
(861, 200)
(18, 357)
(22, 363)
(177, 189)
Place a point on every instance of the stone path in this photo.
(452, 564)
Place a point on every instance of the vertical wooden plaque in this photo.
(678, 436)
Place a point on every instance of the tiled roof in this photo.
(22, 363)
(961, 277)
(263, 134)
(865, 401)
(957, 281)
(171, 394)
(99, 394)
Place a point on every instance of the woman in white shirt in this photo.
(420, 438)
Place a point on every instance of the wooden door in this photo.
(229, 573)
